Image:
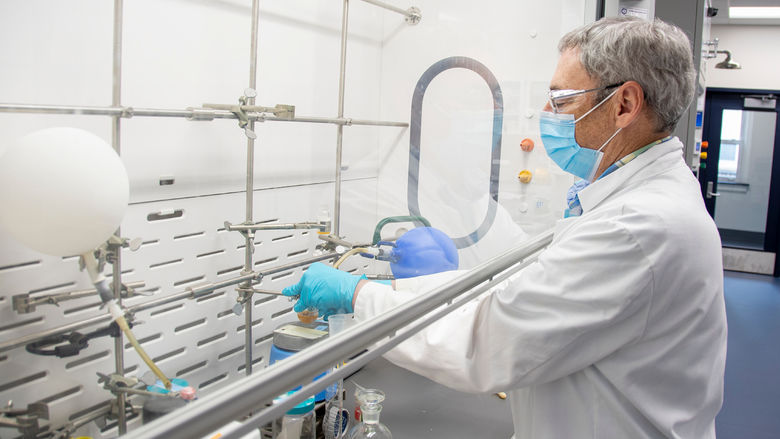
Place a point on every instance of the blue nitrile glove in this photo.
(423, 250)
(325, 288)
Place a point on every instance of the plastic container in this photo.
(290, 338)
(298, 423)
(336, 420)
(340, 322)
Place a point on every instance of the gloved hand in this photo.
(325, 288)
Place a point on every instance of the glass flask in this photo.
(370, 407)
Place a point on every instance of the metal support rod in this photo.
(340, 128)
(116, 120)
(403, 12)
(197, 114)
(239, 397)
(339, 121)
(24, 303)
(250, 193)
(292, 265)
(275, 226)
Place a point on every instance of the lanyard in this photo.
(573, 200)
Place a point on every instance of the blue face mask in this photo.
(557, 131)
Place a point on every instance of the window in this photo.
(730, 144)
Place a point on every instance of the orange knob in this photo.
(527, 145)
(705, 144)
(525, 176)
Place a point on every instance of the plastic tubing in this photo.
(120, 320)
(116, 312)
(348, 254)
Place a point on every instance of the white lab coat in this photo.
(617, 331)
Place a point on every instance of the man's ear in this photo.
(629, 103)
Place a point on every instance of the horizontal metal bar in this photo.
(292, 265)
(25, 303)
(274, 226)
(199, 114)
(61, 109)
(207, 288)
(244, 395)
(403, 12)
(260, 291)
(338, 121)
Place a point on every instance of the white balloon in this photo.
(63, 191)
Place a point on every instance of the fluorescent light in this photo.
(754, 12)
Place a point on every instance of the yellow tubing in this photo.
(144, 356)
(348, 254)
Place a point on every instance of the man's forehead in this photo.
(570, 73)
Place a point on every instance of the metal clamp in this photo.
(281, 111)
(334, 243)
(413, 15)
(712, 49)
(118, 384)
(24, 420)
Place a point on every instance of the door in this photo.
(739, 176)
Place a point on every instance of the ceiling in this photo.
(723, 12)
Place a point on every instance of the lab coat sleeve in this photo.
(587, 295)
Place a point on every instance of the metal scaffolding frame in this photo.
(360, 344)
(248, 276)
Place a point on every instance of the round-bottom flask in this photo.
(370, 408)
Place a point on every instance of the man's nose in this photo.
(547, 107)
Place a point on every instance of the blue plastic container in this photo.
(290, 338)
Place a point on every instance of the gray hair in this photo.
(655, 54)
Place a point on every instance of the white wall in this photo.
(752, 46)
(183, 53)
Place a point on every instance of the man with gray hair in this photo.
(618, 330)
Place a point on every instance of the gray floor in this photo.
(751, 406)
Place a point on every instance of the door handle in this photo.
(711, 194)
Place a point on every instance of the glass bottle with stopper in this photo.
(370, 407)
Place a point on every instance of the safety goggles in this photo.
(559, 98)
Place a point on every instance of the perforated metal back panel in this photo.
(199, 340)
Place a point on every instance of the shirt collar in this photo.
(608, 183)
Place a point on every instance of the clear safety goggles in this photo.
(559, 98)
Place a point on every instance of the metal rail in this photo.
(247, 394)
(195, 114)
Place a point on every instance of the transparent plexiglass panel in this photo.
(421, 119)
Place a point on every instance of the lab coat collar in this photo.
(638, 168)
